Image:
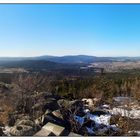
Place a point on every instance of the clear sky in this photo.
(69, 29)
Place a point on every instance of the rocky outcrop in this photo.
(77, 117)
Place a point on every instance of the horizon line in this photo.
(63, 56)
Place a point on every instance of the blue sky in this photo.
(69, 29)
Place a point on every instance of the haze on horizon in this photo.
(69, 29)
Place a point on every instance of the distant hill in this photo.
(84, 59)
(36, 65)
(69, 59)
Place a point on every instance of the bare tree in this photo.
(27, 88)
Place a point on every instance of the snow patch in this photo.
(102, 119)
(134, 113)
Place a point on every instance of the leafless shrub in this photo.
(26, 88)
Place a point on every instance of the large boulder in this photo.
(89, 103)
(56, 119)
(24, 127)
(6, 130)
(57, 130)
(63, 103)
(51, 103)
(22, 130)
(39, 121)
(57, 113)
(25, 122)
(13, 117)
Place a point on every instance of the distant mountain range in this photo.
(34, 65)
(70, 59)
(56, 63)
